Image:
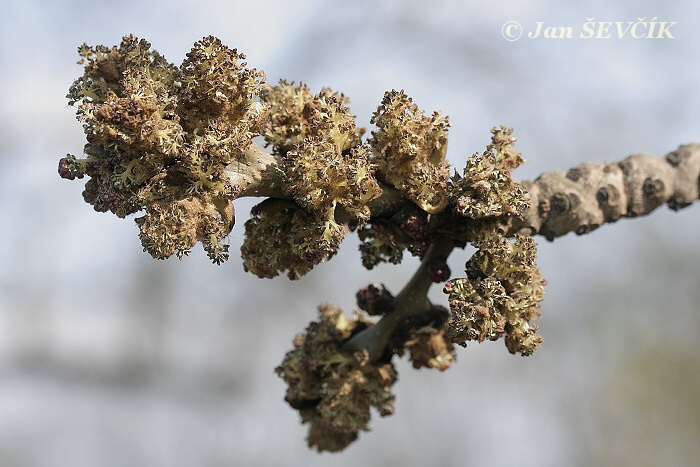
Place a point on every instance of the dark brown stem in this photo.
(411, 301)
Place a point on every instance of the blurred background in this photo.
(110, 358)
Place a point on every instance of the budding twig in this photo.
(177, 144)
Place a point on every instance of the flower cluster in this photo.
(428, 347)
(166, 139)
(410, 150)
(486, 189)
(384, 240)
(321, 179)
(297, 114)
(324, 168)
(173, 227)
(281, 236)
(500, 295)
(159, 139)
(424, 338)
(503, 288)
(217, 90)
(332, 388)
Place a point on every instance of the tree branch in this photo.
(592, 194)
(159, 136)
(579, 200)
(257, 174)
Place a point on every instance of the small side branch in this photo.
(410, 302)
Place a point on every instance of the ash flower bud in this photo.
(320, 178)
(439, 271)
(70, 168)
(216, 85)
(429, 348)
(413, 221)
(110, 201)
(170, 228)
(423, 336)
(379, 244)
(522, 339)
(374, 300)
(281, 236)
(296, 114)
(385, 240)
